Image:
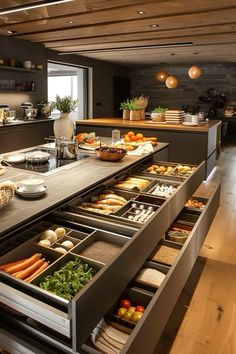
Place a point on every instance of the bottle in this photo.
(115, 135)
(32, 86)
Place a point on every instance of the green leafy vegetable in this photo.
(69, 279)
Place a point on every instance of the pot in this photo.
(66, 148)
(37, 156)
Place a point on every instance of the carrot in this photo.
(30, 270)
(23, 265)
(39, 270)
(15, 274)
(12, 263)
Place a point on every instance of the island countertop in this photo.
(147, 124)
(62, 186)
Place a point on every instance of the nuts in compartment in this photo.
(101, 246)
(165, 253)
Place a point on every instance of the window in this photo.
(68, 80)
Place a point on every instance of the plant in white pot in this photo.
(63, 126)
(158, 114)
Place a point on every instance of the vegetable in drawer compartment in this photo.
(69, 279)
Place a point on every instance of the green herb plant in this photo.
(69, 279)
(159, 110)
(64, 104)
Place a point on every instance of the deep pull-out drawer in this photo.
(145, 335)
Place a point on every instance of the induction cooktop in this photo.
(51, 166)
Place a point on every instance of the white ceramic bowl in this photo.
(32, 185)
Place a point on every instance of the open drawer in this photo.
(46, 296)
(148, 330)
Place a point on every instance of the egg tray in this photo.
(134, 210)
(165, 183)
(71, 235)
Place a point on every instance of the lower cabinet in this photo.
(21, 136)
(98, 256)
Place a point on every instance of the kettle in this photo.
(44, 109)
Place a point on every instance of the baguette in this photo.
(112, 208)
(110, 202)
(105, 212)
(108, 196)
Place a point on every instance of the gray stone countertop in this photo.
(61, 187)
(22, 122)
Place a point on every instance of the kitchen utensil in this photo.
(44, 109)
(14, 158)
(66, 148)
(31, 195)
(31, 112)
(37, 156)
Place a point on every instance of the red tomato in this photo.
(140, 308)
(125, 303)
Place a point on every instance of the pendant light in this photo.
(194, 72)
(171, 82)
(161, 76)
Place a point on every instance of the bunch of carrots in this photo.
(27, 268)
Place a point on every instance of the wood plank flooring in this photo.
(209, 323)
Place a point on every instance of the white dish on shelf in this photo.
(29, 195)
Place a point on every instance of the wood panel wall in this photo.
(219, 76)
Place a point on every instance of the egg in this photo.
(60, 232)
(67, 244)
(48, 235)
(45, 243)
(60, 249)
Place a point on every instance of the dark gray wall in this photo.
(11, 48)
(219, 76)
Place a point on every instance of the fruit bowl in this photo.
(110, 153)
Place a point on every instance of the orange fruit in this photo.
(127, 139)
(139, 136)
(130, 134)
(134, 138)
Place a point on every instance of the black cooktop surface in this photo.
(52, 165)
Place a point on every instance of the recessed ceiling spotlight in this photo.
(195, 53)
(154, 26)
(70, 22)
(172, 54)
(10, 32)
(141, 12)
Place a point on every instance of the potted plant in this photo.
(125, 106)
(142, 102)
(158, 114)
(135, 111)
(63, 126)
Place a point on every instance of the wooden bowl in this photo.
(110, 153)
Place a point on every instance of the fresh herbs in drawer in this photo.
(69, 279)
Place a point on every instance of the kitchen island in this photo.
(190, 144)
(66, 328)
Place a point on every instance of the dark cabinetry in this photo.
(16, 137)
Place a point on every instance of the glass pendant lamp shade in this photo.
(171, 82)
(161, 76)
(194, 72)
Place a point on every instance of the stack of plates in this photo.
(174, 116)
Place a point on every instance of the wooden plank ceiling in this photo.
(114, 30)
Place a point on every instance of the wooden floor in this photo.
(209, 322)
